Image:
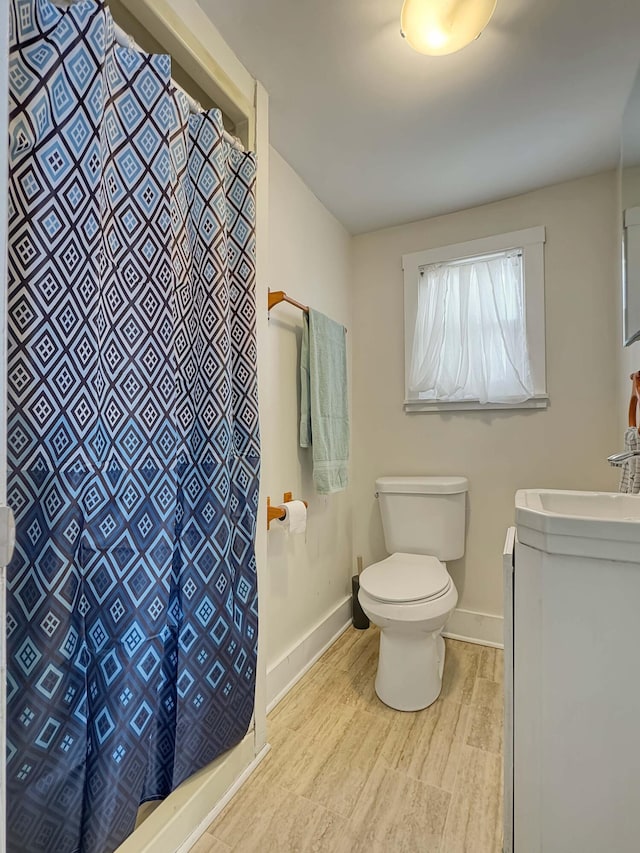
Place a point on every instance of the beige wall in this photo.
(306, 577)
(563, 446)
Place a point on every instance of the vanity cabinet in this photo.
(572, 696)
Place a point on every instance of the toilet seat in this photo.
(406, 578)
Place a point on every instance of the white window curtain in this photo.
(470, 339)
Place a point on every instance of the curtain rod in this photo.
(125, 40)
(474, 259)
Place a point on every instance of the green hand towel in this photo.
(324, 403)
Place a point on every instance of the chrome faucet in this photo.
(618, 459)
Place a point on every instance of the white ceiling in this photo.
(383, 135)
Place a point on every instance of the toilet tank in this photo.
(423, 515)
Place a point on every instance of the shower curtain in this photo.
(133, 433)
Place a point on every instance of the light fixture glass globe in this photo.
(437, 27)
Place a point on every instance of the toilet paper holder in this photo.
(276, 513)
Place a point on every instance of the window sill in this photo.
(540, 401)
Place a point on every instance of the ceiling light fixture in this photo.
(437, 27)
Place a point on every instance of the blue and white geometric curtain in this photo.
(133, 433)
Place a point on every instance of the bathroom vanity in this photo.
(572, 682)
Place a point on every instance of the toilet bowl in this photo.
(410, 594)
(411, 615)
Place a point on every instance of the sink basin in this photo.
(594, 505)
(605, 525)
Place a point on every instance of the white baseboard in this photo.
(282, 675)
(482, 628)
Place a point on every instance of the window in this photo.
(474, 324)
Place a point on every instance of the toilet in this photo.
(410, 595)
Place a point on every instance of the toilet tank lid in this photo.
(422, 485)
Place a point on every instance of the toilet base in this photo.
(410, 668)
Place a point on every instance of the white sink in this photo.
(604, 525)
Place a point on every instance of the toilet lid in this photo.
(405, 577)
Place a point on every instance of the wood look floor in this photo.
(347, 774)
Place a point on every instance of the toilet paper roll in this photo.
(295, 517)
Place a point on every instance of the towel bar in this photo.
(277, 296)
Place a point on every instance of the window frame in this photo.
(531, 242)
